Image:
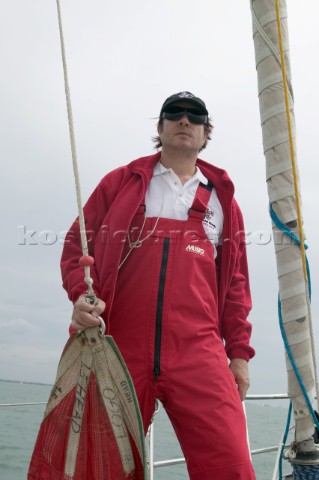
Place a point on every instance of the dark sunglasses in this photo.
(193, 115)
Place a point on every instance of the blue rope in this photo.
(306, 472)
(304, 391)
(293, 363)
(281, 226)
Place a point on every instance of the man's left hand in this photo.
(239, 368)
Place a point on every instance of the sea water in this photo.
(19, 427)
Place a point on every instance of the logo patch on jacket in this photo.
(208, 219)
(194, 249)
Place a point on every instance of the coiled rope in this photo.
(306, 472)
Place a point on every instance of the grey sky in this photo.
(124, 59)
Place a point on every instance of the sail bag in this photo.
(92, 427)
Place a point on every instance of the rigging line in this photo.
(84, 245)
(291, 142)
(295, 368)
(296, 187)
(281, 226)
(269, 43)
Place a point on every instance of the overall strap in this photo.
(200, 202)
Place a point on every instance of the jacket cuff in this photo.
(245, 353)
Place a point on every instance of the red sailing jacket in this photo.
(108, 215)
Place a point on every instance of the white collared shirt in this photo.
(166, 197)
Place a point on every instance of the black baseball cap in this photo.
(184, 97)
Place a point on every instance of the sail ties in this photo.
(259, 24)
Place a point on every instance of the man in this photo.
(172, 284)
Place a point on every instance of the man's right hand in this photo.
(85, 315)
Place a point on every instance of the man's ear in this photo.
(206, 134)
(206, 138)
(159, 128)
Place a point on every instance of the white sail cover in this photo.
(292, 284)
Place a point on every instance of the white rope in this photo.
(139, 241)
(270, 44)
(87, 278)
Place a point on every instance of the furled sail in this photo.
(278, 130)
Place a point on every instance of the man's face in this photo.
(182, 134)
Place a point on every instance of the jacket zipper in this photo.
(159, 310)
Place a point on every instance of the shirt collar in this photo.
(160, 169)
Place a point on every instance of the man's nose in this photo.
(184, 119)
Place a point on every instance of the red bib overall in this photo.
(164, 320)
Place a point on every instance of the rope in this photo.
(293, 363)
(139, 241)
(269, 43)
(291, 143)
(278, 223)
(291, 235)
(296, 188)
(88, 280)
(306, 472)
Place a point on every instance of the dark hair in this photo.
(208, 129)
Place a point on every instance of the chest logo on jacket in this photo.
(193, 249)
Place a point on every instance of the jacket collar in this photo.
(144, 166)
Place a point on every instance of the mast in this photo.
(276, 103)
